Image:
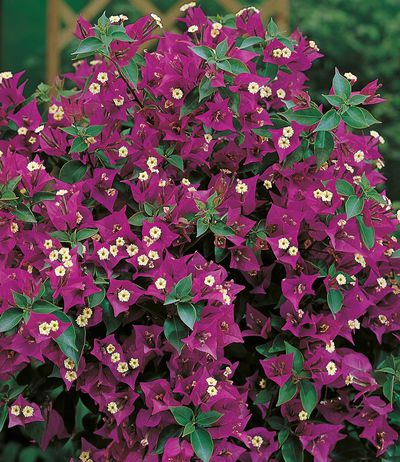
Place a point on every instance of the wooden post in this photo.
(52, 48)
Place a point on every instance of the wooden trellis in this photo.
(61, 20)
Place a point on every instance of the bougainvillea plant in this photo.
(197, 261)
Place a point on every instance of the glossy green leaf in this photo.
(72, 171)
(308, 396)
(202, 444)
(182, 414)
(354, 206)
(286, 392)
(10, 318)
(330, 120)
(335, 300)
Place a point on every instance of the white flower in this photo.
(122, 367)
(132, 249)
(382, 282)
(110, 348)
(283, 243)
(341, 279)
(115, 357)
(281, 93)
(54, 326)
(212, 391)
(288, 132)
(209, 280)
(28, 411)
(59, 271)
(211, 381)
(265, 91)
(186, 6)
(71, 376)
(123, 151)
(48, 244)
(134, 363)
(103, 253)
(267, 184)
(94, 88)
(293, 251)
(177, 93)
(143, 176)
(326, 196)
(283, 142)
(253, 88)
(193, 29)
(257, 441)
(303, 415)
(359, 156)
(353, 324)
(143, 260)
(331, 368)
(112, 407)
(160, 283)
(155, 232)
(241, 187)
(44, 328)
(360, 259)
(330, 347)
(277, 53)
(15, 410)
(124, 295)
(350, 76)
(286, 52)
(102, 77)
(69, 364)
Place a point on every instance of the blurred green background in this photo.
(358, 36)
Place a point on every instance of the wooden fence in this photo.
(61, 19)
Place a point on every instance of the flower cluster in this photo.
(197, 260)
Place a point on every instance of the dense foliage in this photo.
(196, 263)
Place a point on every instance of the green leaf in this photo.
(94, 130)
(355, 100)
(286, 392)
(203, 51)
(89, 45)
(10, 319)
(97, 298)
(137, 219)
(110, 321)
(205, 419)
(335, 300)
(72, 341)
(202, 227)
(283, 435)
(307, 117)
(187, 313)
(250, 41)
(344, 188)
(354, 206)
(24, 213)
(21, 300)
(334, 100)
(221, 229)
(182, 414)
(308, 396)
(174, 331)
(292, 450)
(72, 171)
(341, 85)
(85, 233)
(78, 145)
(3, 416)
(172, 431)
(367, 233)
(237, 67)
(297, 356)
(189, 428)
(202, 444)
(272, 28)
(191, 102)
(61, 236)
(330, 120)
(221, 49)
(183, 288)
(43, 306)
(357, 117)
(205, 88)
(131, 72)
(323, 146)
(176, 161)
